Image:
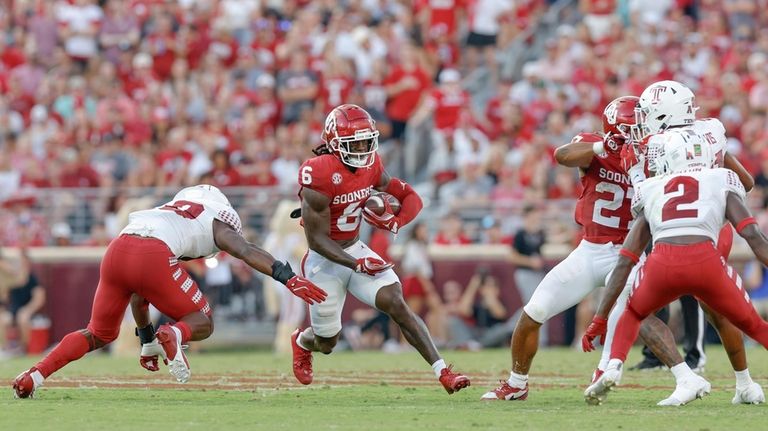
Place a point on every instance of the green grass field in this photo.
(365, 391)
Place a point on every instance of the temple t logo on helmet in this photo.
(662, 105)
(350, 134)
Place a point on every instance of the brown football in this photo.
(375, 203)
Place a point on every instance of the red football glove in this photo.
(597, 328)
(628, 157)
(306, 290)
(372, 265)
(387, 221)
(150, 356)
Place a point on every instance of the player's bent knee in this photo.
(97, 340)
(535, 312)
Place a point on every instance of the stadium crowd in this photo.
(471, 96)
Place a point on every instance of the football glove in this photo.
(387, 220)
(372, 265)
(150, 354)
(306, 290)
(597, 328)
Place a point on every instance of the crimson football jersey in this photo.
(604, 207)
(347, 190)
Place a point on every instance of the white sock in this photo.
(681, 371)
(517, 380)
(299, 341)
(38, 378)
(743, 378)
(438, 366)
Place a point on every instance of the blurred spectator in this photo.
(297, 87)
(22, 297)
(451, 231)
(417, 270)
(526, 256)
(79, 24)
(20, 225)
(61, 234)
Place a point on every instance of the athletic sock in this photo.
(682, 371)
(186, 332)
(71, 348)
(300, 342)
(438, 367)
(517, 380)
(743, 379)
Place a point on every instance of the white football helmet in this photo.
(679, 151)
(202, 192)
(663, 104)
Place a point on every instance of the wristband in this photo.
(629, 255)
(146, 334)
(744, 223)
(282, 272)
(598, 148)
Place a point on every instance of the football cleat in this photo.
(169, 338)
(26, 383)
(453, 382)
(302, 360)
(687, 390)
(597, 392)
(506, 392)
(752, 394)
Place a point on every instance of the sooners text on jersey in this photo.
(347, 190)
(604, 207)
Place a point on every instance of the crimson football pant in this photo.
(671, 271)
(132, 264)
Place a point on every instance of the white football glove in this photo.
(150, 353)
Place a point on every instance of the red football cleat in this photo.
(453, 382)
(169, 338)
(302, 360)
(506, 392)
(24, 386)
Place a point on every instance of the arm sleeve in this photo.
(637, 202)
(410, 201)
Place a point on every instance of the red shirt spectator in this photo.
(405, 85)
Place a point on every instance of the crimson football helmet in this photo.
(619, 117)
(350, 134)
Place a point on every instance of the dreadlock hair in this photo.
(321, 149)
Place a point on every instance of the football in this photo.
(375, 203)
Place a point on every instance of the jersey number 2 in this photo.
(186, 209)
(686, 191)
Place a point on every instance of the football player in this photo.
(667, 106)
(683, 209)
(141, 266)
(603, 210)
(334, 187)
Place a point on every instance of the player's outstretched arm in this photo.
(316, 213)
(575, 154)
(228, 240)
(634, 244)
(739, 215)
(732, 163)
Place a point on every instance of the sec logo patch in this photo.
(336, 178)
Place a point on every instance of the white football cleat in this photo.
(686, 391)
(752, 394)
(169, 338)
(597, 392)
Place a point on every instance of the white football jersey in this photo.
(713, 131)
(186, 226)
(687, 203)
